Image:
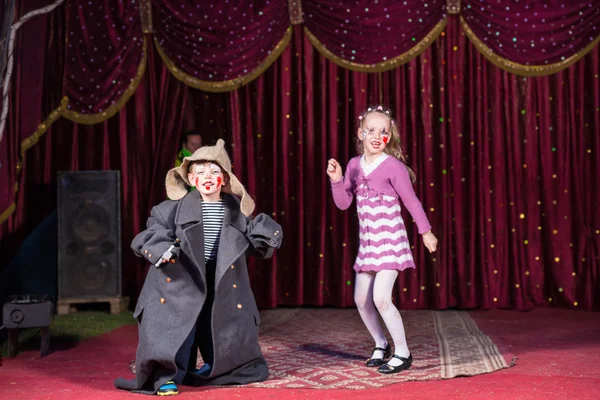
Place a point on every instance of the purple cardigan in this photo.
(391, 178)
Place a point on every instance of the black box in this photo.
(27, 311)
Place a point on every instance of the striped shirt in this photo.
(212, 220)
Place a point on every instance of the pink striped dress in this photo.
(378, 187)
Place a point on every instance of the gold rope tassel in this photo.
(453, 7)
(295, 10)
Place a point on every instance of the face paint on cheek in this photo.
(385, 140)
(197, 181)
(219, 181)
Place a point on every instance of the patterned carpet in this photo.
(326, 349)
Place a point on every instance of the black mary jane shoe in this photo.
(378, 362)
(390, 369)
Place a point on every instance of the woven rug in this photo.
(327, 349)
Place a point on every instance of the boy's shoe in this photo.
(168, 389)
(205, 370)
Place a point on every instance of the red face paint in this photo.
(219, 181)
(207, 188)
(385, 140)
(197, 180)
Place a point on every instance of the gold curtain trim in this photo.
(229, 85)
(76, 117)
(403, 58)
(521, 69)
(42, 128)
(7, 213)
(295, 10)
(90, 119)
(453, 6)
(145, 7)
(28, 143)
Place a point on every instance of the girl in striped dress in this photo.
(379, 178)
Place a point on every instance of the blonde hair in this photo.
(394, 147)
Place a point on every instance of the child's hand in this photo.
(334, 170)
(430, 241)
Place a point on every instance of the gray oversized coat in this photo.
(173, 293)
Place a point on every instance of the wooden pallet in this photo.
(118, 304)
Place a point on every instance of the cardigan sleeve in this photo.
(343, 190)
(401, 183)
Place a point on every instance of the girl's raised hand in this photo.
(334, 170)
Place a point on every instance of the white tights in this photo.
(373, 297)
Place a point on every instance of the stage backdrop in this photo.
(506, 162)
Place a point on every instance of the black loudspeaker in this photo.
(89, 234)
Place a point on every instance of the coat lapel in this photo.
(233, 242)
(189, 217)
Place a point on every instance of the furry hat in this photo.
(177, 180)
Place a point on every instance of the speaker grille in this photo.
(89, 234)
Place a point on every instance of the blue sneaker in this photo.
(168, 389)
(205, 370)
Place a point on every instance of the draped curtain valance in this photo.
(219, 46)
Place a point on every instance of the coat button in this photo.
(239, 306)
(234, 285)
(145, 251)
(177, 240)
(162, 300)
(168, 280)
(149, 255)
(172, 261)
(276, 233)
(233, 266)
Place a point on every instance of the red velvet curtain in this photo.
(506, 167)
(104, 49)
(37, 45)
(368, 32)
(141, 141)
(534, 32)
(219, 41)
